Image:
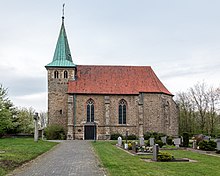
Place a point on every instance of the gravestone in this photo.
(181, 137)
(141, 140)
(119, 141)
(218, 144)
(206, 138)
(194, 144)
(177, 142)
(164, 139)
(134, 147)
(151, 141)
(126, 146)
(155, 152)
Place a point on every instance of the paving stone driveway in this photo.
(68, 158)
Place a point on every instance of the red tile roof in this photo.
(94, 79)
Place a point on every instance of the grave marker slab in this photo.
(134, 147)
(151, 141)
(164, 139)
(119, 141)
(194, 144)
(177, 142)
(155, 152)
(141, 140)
(218, 144)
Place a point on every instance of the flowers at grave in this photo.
(129, 146)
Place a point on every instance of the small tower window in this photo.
(56, 74)
(65, 74)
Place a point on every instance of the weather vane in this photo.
(63, 9)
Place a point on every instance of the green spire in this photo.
(62, 56)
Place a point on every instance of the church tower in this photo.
(60, 71)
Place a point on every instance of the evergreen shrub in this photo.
(207, 145)
(159, 142)
(185, 139)
(115, 136)
(132, 137)
(55, 132)
(164, 156)
(169, 141)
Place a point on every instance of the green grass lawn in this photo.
(118, 162)
(16, 151)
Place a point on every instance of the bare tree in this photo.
(213, 103)
(200, 98)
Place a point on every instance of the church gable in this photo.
(93, 79)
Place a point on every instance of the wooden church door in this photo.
(90, 132)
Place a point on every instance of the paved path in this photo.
(68, 159)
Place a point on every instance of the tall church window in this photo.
(56, 74)
(90, 110)
(122, 112)
(65, 74)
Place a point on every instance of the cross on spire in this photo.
(63, 11)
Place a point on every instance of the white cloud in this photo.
(37, 101)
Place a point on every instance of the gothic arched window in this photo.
(90, 110)
(122, 112)
(56, 74)
(65, 74)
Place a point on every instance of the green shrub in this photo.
(147, 135)
(207, 145)
(115, 136)
(169, 141)
(55, 132)
(132, 137)
(185, 139)
(155, 135)
(164, 156)
(159, 142)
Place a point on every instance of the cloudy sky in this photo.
(179, 39)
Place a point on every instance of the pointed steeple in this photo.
(62, 56)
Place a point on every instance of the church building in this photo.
(95, 101)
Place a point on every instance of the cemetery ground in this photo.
(118, 162)
(16, 151)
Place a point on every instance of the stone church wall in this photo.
(156, 112)
(103, 122)
(57, 97)
(160, 114)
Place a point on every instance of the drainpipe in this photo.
(74, 114)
